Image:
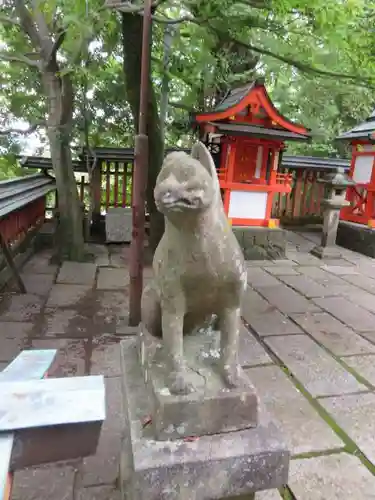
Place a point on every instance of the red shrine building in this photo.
(362, 170)
(357, 221)
(246, 136)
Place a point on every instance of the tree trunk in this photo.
(132, 49)
(59, 94)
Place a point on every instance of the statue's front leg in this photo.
(229, 325)
(172, 326)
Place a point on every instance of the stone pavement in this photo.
(308, 344)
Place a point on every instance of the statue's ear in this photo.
(200, 152)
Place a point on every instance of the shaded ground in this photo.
(308, 344)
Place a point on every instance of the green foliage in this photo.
(317, 58)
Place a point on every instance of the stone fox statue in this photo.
(198, 266)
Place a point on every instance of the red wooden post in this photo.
(140, 178)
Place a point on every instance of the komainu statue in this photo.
(199, 269)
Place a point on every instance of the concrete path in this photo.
(308, 344)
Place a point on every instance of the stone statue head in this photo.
(184, 185)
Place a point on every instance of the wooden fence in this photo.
(304, 203)
(112, 183)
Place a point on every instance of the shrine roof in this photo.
(238, 128)
(248, 97)
(364, 131)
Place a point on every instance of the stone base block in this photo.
(326, 252)
(356, 237)
(221, 466)
(118, 225)
(212, 408)
(261, 243)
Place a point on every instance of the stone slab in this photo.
(364, 366)
(11, 347)
(212, 408)
(268, 495)
(305, 259)
(40, 264)
(305, 286)
(24, 308)
(303, 429)
(70, 357)
(13, 338)
(44, 483)
(67, 323)
(98, 493)
(112, 279)
(281, 270)
(334, 477)
(118, 225)
(253, 304)
(272, 323)
(261, 243)
(67, 295)
(341, 270)
(361, 298)
(258, 277)
(218, 466)
(250, 352)
(321, 276)
(287, 300)
(333, 334)
(105, 358)
(361, 281)
(38, 284)
(354, 413)
(320, 374)
(352, 315)
(111, 310)
(77, 273)
(103, 467)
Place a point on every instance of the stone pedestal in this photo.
(328, 249)
(211, 408)
(118, 225)
(224, 465)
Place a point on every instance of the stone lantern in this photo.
(334, 200)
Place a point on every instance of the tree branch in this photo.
(6, 56)
(305, 68)
(27, 23)
(9, 20)
(45, 38)
(18, 131)
(127, 8)
(184, 19)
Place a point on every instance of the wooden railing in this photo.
(23, 205)
(22, 212)
(304, 203)
(111, 185)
